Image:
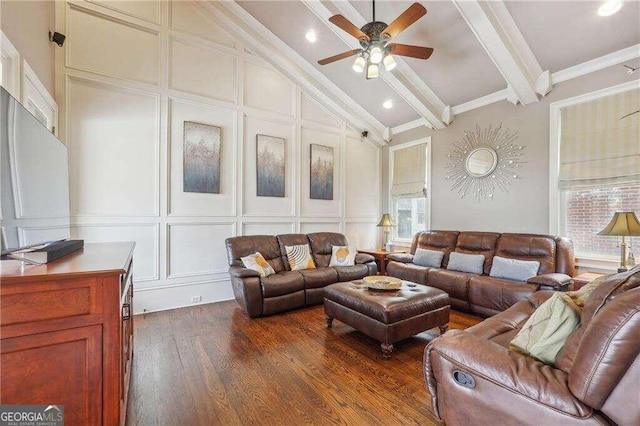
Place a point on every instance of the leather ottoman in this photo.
(387, 316)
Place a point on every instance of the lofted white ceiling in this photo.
(479, 49)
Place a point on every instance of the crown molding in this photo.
(498, 33)
(403, 80)
(615, 58)
(266, 45)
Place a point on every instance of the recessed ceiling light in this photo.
(610, 7)
(311, 36)
(388, 104)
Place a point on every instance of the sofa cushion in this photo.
(343, 256)
(322, 245)
(431, 258)
(455, 283)
(256, 262)
(282, 283)
(267, 245)
(529, 247)
(300, 257)
(435, 240)
(497, 294)
(462, 262)
(514, 269)
(350, 273)
(483, 243)
(320, 277)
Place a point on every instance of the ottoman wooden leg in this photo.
(443, 328)
(329, 320)
(387, 349)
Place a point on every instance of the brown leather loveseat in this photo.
(287, 289)
(474, 379)
(480, 293)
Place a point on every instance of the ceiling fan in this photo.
(374, 38)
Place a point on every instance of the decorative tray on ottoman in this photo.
(382, 282)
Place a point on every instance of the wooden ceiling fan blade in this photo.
(334, 58)
(345, 25)
(408, 17)
(411, 51)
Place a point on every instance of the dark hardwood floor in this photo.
(212, 365)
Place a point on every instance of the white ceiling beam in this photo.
(274, 51)
(403, 80)
(498, 33)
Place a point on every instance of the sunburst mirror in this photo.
(485, 160)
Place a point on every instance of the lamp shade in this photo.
(622, 224)
(386, 221)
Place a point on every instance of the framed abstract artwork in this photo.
(321, 167)
(270, 166)
(201, 158)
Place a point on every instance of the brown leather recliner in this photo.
(287, 289)
(474, 379)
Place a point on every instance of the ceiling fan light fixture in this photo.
(609, 7)
(376, 55)
(389, 62)
(359, 64)
(373, 71)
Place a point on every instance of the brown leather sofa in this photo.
(287, 289)
(482, 294)
(596, 380)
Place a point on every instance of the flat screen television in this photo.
(34, 167)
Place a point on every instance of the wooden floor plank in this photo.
(212, 365)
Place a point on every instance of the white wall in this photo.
(130, 74)
(27, 25)
(525, 207)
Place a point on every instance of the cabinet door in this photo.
(58, 367)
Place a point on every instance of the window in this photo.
(409, 172)
(597, 169)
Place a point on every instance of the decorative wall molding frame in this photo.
(173, 288)
(270, 48)
(555, 220)
(34, 94)
(8, 53)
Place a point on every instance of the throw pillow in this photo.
(300, 257)
(258, 263)
(430, 258)
(464, 262)
(544, 334)
(514, 269)
(343, 256)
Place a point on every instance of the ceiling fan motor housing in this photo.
(374, 31)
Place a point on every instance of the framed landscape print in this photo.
(270, 166)
(321, 166)
(201, 158)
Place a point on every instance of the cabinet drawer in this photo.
(51, 300)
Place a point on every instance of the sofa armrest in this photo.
(401, 257)
(362, 258)
(242, 272)
(556, 281)
(520, 383)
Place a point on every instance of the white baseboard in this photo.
(164, 298)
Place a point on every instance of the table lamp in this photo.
(622, 224)
(386, 223)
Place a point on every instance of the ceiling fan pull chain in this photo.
(374, 11)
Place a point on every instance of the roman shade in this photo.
(409, 172)
(600, 142)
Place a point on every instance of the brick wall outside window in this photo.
(588, 211)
